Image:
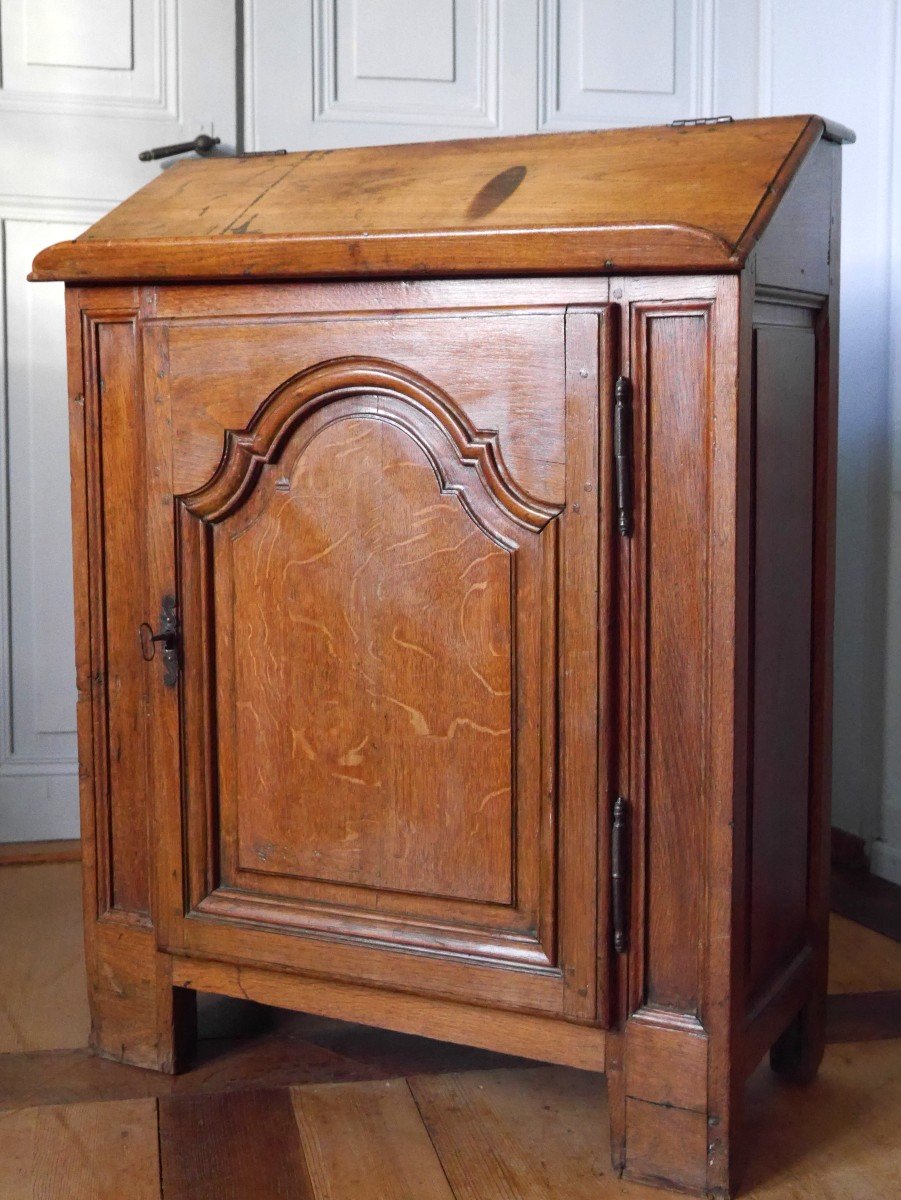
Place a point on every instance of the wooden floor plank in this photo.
(232, 1146)
(43, 993)
(80, 1152)
(65, 1076)
(297, 1051)
(536, 1134)
(835, 1139)
(366, 1141)
(499, 1134)
(860, 960)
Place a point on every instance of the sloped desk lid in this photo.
(660, 198)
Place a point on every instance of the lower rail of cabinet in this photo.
(543, 1038)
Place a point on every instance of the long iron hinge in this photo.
(619, 874)
(688, 122)
(622, 452)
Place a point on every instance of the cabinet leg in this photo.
(666, 1146)
(666, 1126)
(137, 1016)
(797, 1054)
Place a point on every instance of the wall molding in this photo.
(20, 767)
(701, 89)
(704, 58)
(161, 102)
(765, 57)
(22, 206)
(885, 860)
(14, 766)
(481, 113)
(247, 90)
(20, 854)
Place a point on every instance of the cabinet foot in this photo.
(137, 1016)
(666, 1146)
(667, 1128)
(797, 1054)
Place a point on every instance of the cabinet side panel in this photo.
(794, 251)
(114, 415)
(784, 357)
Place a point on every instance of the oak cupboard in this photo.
(454, 556)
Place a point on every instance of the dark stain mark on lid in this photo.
(495, 192)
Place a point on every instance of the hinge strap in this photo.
(619, 874)
(622, 451)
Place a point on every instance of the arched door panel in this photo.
(372, 736)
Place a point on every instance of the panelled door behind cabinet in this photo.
(375, 534)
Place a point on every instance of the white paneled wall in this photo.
(607, 63)
(84, 86)
(357, 72)
(429, 61)
(37, 703)
(87, 55)
(887, 849)
(843, 58)
(345, 72)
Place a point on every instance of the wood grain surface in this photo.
(230, 1146)
(43, 993)
(500, 1133)
(783, 578)
(503, 370)
(120, 436)
(492, 1135)
(655, 198)
(99, 1151)
(393, 1157)
(397, 604)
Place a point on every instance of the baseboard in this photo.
(863, 1016)
(21, 853)
(848, 850)
(868, 900)
(885, 861)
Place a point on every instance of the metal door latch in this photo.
(167, 637)
(202, 144)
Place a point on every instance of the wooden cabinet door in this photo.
(388, 709)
